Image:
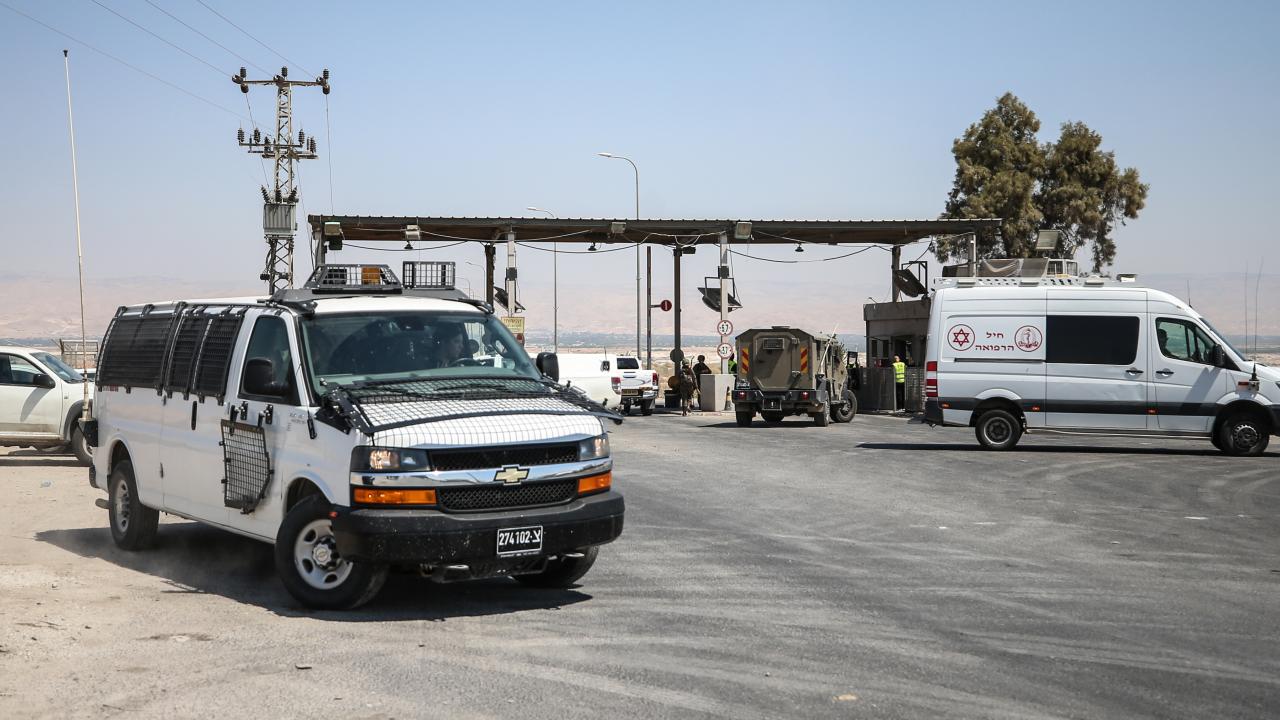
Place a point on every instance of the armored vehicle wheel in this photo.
(821, 418)
(80, 447)
(563, 572)
(133, 525)
(845, 411)
(310, 566)
(1244, 434)
(646, 407)
(998, 430)
(744, 418)
(773, 418)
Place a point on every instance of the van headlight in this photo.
(381, 459)
(594, 448)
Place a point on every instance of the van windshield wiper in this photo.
(378, 405)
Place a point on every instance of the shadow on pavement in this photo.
(198, 559)
(1066, 449)
(42, 461)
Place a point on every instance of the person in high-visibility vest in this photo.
(900, 382)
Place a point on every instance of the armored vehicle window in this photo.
(270, 341)
(134, 351)
(359, 347)
(1183, 340)
(774, 343)
(215, 355)
(186, 345)
(1091, 339)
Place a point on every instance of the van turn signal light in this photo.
(388, 496)
(595, 483)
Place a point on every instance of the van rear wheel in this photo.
(133, 525)
(744, 418)
(998, 430)
(1244, 434)
(312, 569)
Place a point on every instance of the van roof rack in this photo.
(1016, 281)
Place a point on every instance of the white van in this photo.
(1087, 355)
(355, 424)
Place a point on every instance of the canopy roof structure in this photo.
(358, 228)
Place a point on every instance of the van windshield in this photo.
(1222, 338)
(389, 347)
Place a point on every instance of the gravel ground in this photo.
(876, 569)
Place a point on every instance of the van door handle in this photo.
(1164, 373)
(1133, 371)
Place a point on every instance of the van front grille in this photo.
(500, 456)
(502, 497)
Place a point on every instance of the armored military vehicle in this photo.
(787, 371)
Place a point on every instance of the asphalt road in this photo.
(876, 569)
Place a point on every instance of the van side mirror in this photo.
(259, 378)
(44, 381)
(1217, 357)
(549, 365)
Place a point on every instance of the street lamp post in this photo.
(638, 298)
(555, 285)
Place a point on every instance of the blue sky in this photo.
(730, 109)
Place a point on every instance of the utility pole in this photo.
(280, 204)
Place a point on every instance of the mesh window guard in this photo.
(248, 467)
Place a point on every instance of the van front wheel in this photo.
(312, 569)
(998, 430)
(133, 525)
(1243, 434)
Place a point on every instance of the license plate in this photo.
(629, 393)
(520, 541)
(772, 404)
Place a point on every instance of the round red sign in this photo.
(1028, 338)
(960, 337)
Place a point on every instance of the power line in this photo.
(131, 66)
(180, 49)
(179, 20)
(246, 33)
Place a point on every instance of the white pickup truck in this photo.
(636, 385)
(41, 399)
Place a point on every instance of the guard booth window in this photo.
(1091, 339)
(1183, 340)
(270, 340)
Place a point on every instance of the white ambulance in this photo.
(1009, 356)
(355, 424)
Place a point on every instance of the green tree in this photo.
(1071, 185)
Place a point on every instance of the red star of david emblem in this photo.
(960, 337)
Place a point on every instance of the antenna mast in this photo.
(279, 208)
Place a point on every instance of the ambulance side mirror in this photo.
(1217, 358)
(549, 365)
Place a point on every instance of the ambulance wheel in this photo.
(646, 407)
(773, 418)
(1244, 434)
(821, 418)
(998, 430)
(744, 418)
(133, 525)
(845, 411)
(310, 566)
(562, 573)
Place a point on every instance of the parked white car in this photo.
(591, 374)
(636, 386)
(1008, 356)
(41, 402)
(356, 427)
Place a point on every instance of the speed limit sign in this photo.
(724, 350)
(724, 327)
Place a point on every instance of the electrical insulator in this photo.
(240, 135)
(257, 135)
(325, 89)
(284, 72)
(242, 73)
(302, 137)
(312, 146)
(325, 74)
(265, 196)
(244, 88)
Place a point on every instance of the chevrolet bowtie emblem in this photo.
(511, 474)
